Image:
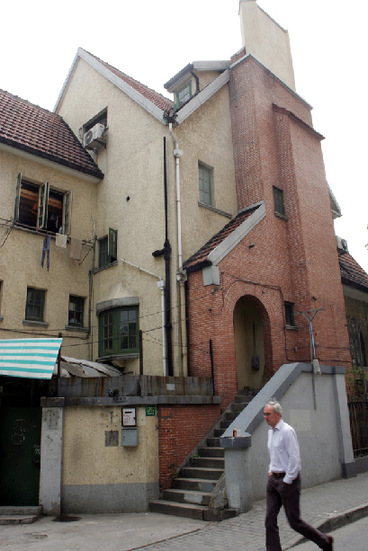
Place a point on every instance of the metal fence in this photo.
(358, 412)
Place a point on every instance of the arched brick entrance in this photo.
(251, 337)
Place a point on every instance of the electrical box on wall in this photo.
(129, 437)
(129, 431)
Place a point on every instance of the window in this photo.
(101, 118)
(107, 252)
(183, 94)
(75, 311)
(41, 207)
(118, 331)
(289, 314)
(35, 304)
(205, 175)
(278, 197)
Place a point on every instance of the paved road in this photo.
(330, 505)
(352, 537)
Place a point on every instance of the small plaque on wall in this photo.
(150, 411)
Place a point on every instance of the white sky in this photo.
(151, 40)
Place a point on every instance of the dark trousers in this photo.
(288, 495)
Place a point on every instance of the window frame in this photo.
(278, 201)
(202, 183)
(43, 190)
(40, 294)
(108, 249)
(80, 301)
(110, 332)
(289, 314)
(185, 90)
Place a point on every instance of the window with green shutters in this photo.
(119, 331)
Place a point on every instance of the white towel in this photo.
(61, 240)
(75, 248)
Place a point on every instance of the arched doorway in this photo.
(249, 343)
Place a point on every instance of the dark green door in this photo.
(20, 435)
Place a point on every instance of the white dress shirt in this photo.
(284, 451)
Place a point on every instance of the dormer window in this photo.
(183, 94)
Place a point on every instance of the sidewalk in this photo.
(327, 506)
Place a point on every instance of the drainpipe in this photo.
(161, 285)
(177, 154)
(180, 276)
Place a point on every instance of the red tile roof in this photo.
(352, 274)
(39, 132)
(199, 259)
(154, 97)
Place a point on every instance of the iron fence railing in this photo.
(358, 412)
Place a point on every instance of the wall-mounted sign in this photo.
(129, 417)
(150, 411)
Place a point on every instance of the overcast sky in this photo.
(151, 40)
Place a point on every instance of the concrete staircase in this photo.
(199, 490)
(19, 515)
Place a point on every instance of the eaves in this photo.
(58, 164)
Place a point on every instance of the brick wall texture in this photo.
(292, 258)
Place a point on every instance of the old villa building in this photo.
(179, 248)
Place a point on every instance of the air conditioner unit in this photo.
(91, 137)
(342, 244)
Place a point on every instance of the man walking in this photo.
(283, 486)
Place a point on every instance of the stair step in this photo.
(208, 462)
(187, 496)
(196, 512)
(201, 472)
(211, 452)
(218, 432)
(19, 515)
(198, 484)
(213, 442)
(224, 424)
(179, 509)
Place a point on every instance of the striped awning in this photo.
(29, 358)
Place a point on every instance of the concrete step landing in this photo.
(19, 515)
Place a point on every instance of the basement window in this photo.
(38, 206)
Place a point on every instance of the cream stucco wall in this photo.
(130, 198)
(88, 461)
(266, 40)
(23, 247)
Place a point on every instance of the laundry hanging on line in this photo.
(61, 240)
(75, 248)
(46, 251)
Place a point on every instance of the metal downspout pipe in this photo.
(180, 276)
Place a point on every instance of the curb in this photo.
(338, 521)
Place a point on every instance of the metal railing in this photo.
(358, 411)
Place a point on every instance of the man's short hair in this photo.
(276, 406)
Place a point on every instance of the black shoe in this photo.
(330, 544)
